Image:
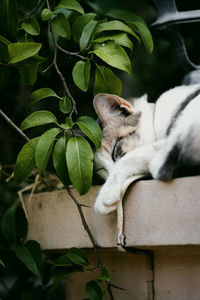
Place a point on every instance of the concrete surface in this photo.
(163, 217)
(155, 214)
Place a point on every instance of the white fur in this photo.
(154, 146)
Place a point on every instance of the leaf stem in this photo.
(12, 124)
(57, 47)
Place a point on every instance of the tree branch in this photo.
(33, 12)
(8, 65)
(67, 92)
(92, 239)
(66, 89)
(10, 122)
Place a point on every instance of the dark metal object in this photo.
(167, 21)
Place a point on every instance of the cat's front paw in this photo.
(107, 200)
(103, 209)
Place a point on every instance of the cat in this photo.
(142, 138)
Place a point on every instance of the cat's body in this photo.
(138, 140)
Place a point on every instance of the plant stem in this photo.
(67, 92)
(92, 239)
(33, 12)
(10, 122)
(66, 89)
(8, 65)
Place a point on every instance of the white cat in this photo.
(138, 139)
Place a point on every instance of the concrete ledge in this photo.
(156, 214)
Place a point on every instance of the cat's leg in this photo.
(169, 158)
(135, 162)
(164, 164)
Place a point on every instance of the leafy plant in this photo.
(102, 46)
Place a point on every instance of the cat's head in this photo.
(121, 123)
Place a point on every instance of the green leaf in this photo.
(59, 160)
(61, 26)
(71, 4)
(8, 226)
(4, 56)
(67, 124)
(106, 82)
(36, 252)
(29, 75)
(93, 291)
(46, 14)
(44, 148)
(41, 94)
(4, 40)
(2, 263)
(78, 256)
(14, 223)
(62, 261)
(87, 34)
(32, 26)
(37, 118)
(21, 51)
(114, 55)
(65, 105)
(25, 161)
(104, 275)
(29, 256)
(115, 25)
(120, 38)
(91, 129)
(66, 12)
(65, 273)
(136, 23)
(79, 23)
(81, 74)
(29, 68)
(1, 171)
(79, 158)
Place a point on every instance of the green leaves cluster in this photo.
(106, 41)
(72, 154)
(103, 45)
(14, 229)
(110, 44)
(76, 261)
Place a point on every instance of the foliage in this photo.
(33, 36)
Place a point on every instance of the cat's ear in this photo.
(108, 106)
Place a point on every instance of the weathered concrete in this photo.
(55, 223)
(155, 214)
(162, 214)
(163, 217)
(126, 270)
(176, 275)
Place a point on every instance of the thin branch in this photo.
(92, 239)
(33, 12)
(8, 65)
(66, 89)
(117, 287)
(10, 122)
(70, 53)
(67, 92)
